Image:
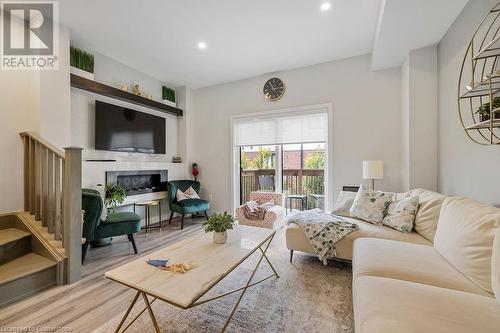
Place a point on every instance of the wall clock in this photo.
(274, 89)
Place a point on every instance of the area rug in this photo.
(308, 297)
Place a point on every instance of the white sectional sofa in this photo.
(444, 278)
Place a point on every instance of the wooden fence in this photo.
(295, 181)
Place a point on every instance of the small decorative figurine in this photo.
(137, 89)
(195, 172)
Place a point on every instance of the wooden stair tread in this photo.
(26, 265)
(11, 235)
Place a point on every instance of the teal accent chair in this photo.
(188, 206)
(116, 224)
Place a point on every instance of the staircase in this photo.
(41, 246)
(26, 267)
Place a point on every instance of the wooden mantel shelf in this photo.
(108, 91)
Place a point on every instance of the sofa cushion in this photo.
(401, 214)
(495, 266)
(370, 205)
(464, 237)
(383, 305)
(296, 239)
(344, 203)
(429, 207)
(409, 262)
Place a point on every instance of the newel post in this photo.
(72, 207)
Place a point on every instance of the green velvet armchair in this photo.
(188, 206)
(116, 224)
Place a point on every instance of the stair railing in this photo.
(52, 194)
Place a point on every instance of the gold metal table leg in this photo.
(151, 314)
(248, 284)
(134, 300)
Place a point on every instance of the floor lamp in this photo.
(373, 170)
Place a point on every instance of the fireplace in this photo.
(140, 181)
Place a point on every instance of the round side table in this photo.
(147, 205)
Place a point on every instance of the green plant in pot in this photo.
(115, 195)
(484, 110)
(219, 224)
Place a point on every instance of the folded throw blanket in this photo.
(323, 231)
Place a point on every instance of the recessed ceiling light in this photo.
(202, 45)
(325, 6)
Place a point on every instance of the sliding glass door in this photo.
(303, 174)
(282, 151)
(257, 170)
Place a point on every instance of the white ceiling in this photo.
(405, 25)
(247, 38)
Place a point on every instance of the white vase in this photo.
(220, 237)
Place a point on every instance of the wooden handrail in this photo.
(52, 195)
(43, 142)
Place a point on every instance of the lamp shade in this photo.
(373, 169)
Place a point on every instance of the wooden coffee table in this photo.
(213, 263)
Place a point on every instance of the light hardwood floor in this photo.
(89, 303)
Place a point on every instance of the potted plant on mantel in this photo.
(219, 224)
(484, 110)
(168, 96)
(82, 63)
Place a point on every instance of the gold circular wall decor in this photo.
(479, 82)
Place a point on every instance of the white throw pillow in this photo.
(190, 193)
(401, 214)
(370, 205)
(464, 237)
(269, 204)
(344, 203)
(429, 207)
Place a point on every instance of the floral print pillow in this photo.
(401, 214)
(370, 205)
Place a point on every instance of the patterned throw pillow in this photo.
(401, 214)
(370, 205)
(190, 193)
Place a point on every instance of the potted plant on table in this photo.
(219, 224)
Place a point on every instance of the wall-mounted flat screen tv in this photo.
(126, 130)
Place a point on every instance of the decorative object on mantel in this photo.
(137, 90)
(99, 88)
(82, 63)
(219, 224)
(168, 96)
(373, 170)
(115, 195)
(479, 82)
(176, 159)
(195, 172)
(124, 87)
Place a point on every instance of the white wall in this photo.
(366, 121)
(465, 168)
(55, 99)
(35, 101)
(419, 115)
